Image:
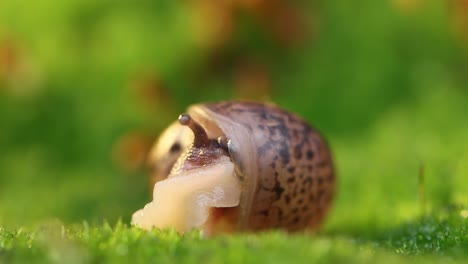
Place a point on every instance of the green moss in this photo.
(429, 240)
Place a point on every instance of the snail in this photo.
(239, 166)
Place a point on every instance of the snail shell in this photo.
(276, 169)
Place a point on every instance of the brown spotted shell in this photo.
(284, 165)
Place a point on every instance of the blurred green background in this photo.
(86, 86)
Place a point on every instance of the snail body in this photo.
(239, 166)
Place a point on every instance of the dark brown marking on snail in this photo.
(175, 147)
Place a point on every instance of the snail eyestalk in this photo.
(224, 142)
(201, 138)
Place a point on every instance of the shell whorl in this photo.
(285, 166)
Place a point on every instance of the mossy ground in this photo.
(429, 240)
